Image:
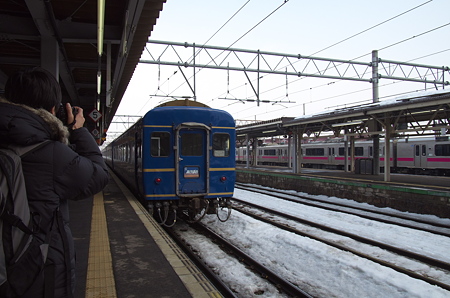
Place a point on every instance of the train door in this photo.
(192, 160)
(420, 156)
(331, 155)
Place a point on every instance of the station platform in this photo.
(410, 193)
(422, 181)
(123, 252)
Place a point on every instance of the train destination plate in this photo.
(191, 172)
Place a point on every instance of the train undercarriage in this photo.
(189, 209)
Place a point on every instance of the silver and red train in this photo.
(420, 155)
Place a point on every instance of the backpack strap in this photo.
(15, 221)
(23, 151)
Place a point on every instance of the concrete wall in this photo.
(397, 197)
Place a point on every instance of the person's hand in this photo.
(79, 117)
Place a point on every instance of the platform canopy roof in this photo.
(412, 115)
(62, 36)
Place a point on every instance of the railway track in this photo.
(215, 280)
(257, 266)
(404, 220)
(267, 215)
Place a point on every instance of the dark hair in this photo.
(34, 87)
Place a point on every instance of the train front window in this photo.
(221, 144)
(160, 144)
(191, 144)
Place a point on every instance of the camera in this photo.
(62, 113)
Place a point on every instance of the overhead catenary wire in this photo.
(368, 29)
(259, 23)
(386, 47)
(338, 81)
(363, 31)
(212, 36)
(229, 88)
(368, 100)
(404, 40)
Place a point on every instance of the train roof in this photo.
(394, 102)
(368, 141)
(183, 102)
(175, 115)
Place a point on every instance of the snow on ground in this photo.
(417, 241)
(319, 269)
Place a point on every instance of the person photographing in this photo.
(67, 165)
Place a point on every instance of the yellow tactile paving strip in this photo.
(100, 277)
(194, 280)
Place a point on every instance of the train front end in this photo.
(188, 162)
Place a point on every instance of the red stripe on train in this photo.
(439, 159)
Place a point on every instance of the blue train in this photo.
(179, 157)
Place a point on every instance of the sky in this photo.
(319, 269)
(414, 31)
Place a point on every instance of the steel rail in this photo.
(277, 280)
(213, 278)
(412, 255)
(310, 202)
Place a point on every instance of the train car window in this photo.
(191, 144)
(221, 144)
(442, 150)
(417, 150)
(270, 152)
(315, 151)
(160, 144)
(342, 151)
(370, 151)
(424, 150)
(359, 151)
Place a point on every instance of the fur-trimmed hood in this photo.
(23, 125)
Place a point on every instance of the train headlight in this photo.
(223, 178)
(158, 180)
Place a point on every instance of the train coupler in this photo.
(198, 208)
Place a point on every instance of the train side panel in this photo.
(415, 155)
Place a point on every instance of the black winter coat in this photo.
(54, 174)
